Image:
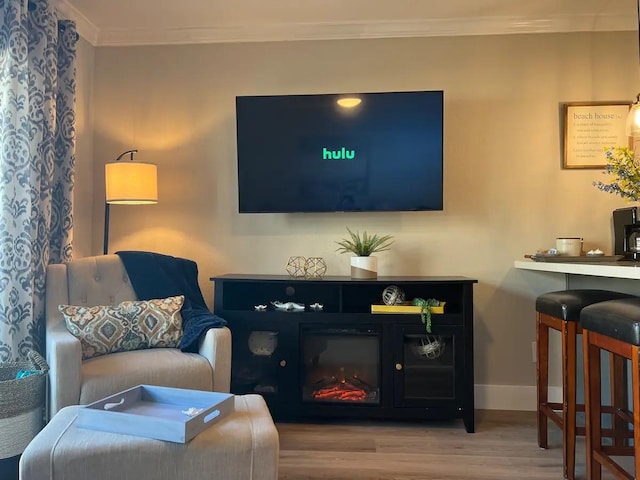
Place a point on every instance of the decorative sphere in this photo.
(393, 295)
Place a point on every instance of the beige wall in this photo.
(505, 191)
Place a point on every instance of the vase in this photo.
(364, 267)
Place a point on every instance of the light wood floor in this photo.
(503, 447)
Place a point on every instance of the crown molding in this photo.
(499, 25)
(84, 27)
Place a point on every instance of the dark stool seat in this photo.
(567, 304)
(613, 326)
(619, 319)
(561, 311)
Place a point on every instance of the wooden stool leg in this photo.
(592, 405)
(542, 378)
(635, 382)
(569, 334)
(618, 386)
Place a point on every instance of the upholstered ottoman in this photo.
(242, 446)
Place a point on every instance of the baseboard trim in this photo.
(511, 397)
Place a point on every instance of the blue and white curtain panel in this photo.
(37, 159)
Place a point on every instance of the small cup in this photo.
(570, 246)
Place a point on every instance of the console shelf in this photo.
(344, 361)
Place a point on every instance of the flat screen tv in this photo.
(310, 153)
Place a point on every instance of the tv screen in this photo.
(318, 153)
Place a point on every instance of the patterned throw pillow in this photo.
(131, 325)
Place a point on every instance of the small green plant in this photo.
(365, 245)
(625, 168)
(425, 310)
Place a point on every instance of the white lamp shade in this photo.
(131, 183)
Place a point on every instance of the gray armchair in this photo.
(102, 280)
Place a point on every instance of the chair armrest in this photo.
(215, 346)
(64, 356)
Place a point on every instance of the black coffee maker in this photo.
(626, 233)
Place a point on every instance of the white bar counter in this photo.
(626, 270)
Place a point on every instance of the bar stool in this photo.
(561, 311)
(613, 326)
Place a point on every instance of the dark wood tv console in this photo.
(335, 358)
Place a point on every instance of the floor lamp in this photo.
(128, 183)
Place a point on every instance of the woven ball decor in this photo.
(393, 295)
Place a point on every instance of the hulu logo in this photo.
(341, 154)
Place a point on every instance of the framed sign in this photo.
(589, 128)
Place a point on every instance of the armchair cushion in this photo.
(130, 325)
(169, 367)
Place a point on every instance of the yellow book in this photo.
(405, 307)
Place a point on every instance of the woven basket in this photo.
(21, 403)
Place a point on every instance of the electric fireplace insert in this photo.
(341, 365)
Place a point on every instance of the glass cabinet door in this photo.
(425, 368)
(262, 362)
(256, 370)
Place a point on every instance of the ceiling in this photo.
(154, 22)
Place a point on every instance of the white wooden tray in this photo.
(171, 414)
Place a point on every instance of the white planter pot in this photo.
(364, 267)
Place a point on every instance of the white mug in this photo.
(571, 246)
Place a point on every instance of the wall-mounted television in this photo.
(308, 153)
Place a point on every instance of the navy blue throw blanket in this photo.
(154, 275)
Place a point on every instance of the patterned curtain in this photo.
(37, 158)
